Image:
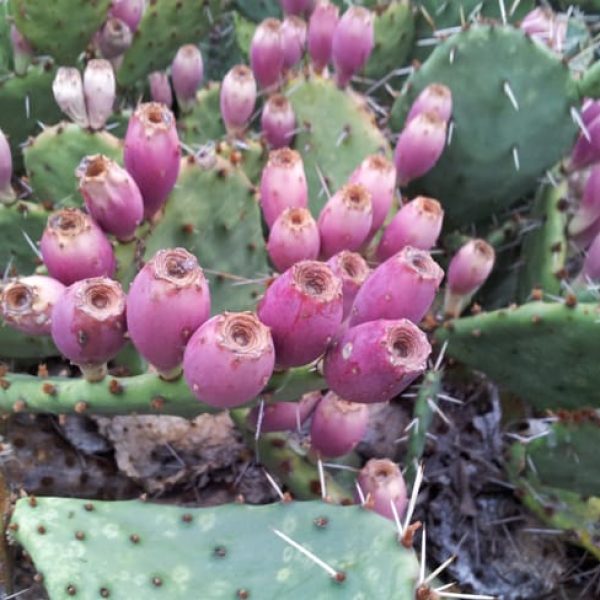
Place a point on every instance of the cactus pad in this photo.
(61, 28)
(52, 157)
(203, 124)
(499, 148)
(546, 353)
(339, 131)
(16, 345)
(165, 26)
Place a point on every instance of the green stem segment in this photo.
(589, 84)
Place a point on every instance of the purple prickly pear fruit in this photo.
(266, 53)
(167, 301)
(588, 211)
(7, 194)
(74, 247)
(353, 270)
(88, 324)
(353, 41)
(321, 27)
(435, 98)
(378, 175)
(303, 307)
(419, 146)
(293, 39)
(283, 184)
(345, 221)
(27, 303)
(468, 270)
(99, 88)
(283, 416)
(591, 264)
(296, 7)
(187, 73)
(375, 361)
(587, 151)
(293, 237)
(238, 98)
(129, 11)
(22, 51)
(418, 224)
(382, 485)
(590, 110)
(546, 27)
(402, 287)
(115, 37)
(67, 88)
(337, 425)
(111, 196)
(160, 88)
(152, 154)
(229, 360)
(278, 121)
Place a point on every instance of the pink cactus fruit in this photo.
(160, 88)
(375, 361)
(27, 303)
(129, 11)
(229, 360)
(296, 7)
(73, 247)
(382, 485)
(435, 98)
(321, 27)
(115, 37)
(238, 98)
(266, 53)
(402, 287)
(303, 307)
(283, 416)
(293, 39)
(22, 51)
(167, 302)
(187, 73)
(67, 89)
(353, 270)
(7, 194)
(294, 237)
(99, 89)
(278, 121)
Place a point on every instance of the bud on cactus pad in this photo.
(419, 146)
(67, 88)
(187, 73)
(418, 224)
(114, 38)
(160, 88)
(587, 151)
(168, 300)
(353, 40)
(345, 221)
(375, 361)
(99, 88)
(7, 194)
(74, 247)
(293, 39)
(378, 175)
(403, 287)
(283, 416)
(283, 184)
(278, 121)
(382, 484)
(88, 324)
(303, 307)
(27, 303)
(111, 196)
(129, 11)
(229, 360)
(588, 211)
(321, 27)
(293, 237)
(22, 51)
(238, 97)
(266, 53)
(337, 426)
(353, 270)
(435, 98)
(152, 154)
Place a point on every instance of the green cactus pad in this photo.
(339, 133)
(25, 102)
(140, 394)
(52, 157)
(142, 550)
(478, 172)
(61, 28)
(546, 353)
(394, 34)
(17, 220)
(203, 124)
(17, 345)
(165, 26)
(214, 214)
(544, 249)
(257, 10)
(5, 45)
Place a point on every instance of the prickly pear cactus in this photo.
(203, 124)
(61, 29)
(512, 118)
(177, 552)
